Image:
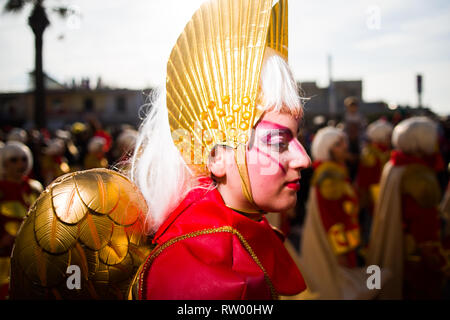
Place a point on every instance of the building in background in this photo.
(66, 104)
(318, 103)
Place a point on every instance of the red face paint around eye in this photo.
(264, 124)
(274, 134)
(274, 162)
(271, 158)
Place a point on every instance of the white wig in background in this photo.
(158, 168)
(55, 147)
(96, 144)
(323, 141)
(380, 131)
(127, 139)
(15, 149)
(416, 135)
(17, 134)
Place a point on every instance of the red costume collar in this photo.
(434, 161)
(205, 209)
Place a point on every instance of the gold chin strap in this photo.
(241, 162)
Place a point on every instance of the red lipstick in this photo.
(294, 184)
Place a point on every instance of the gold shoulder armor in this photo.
(330, 179)
(82, 239)
(421, 183)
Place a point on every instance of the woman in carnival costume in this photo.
(406, 236)
(233, 155)
(17, 194)
(374, 156)
(331, 235)
(217, 151)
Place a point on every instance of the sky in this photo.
(384, 43)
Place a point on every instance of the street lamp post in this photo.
(38, 22)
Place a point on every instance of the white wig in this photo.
(380, 131)
(127, 139)
(278, 88)
(15, 149)
(55, 147)
(416, 135)
(17, 134)
(158, 168)
(323, 141)
(96, 144)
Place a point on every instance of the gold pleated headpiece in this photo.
(213, 73)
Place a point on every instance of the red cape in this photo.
(207, 251)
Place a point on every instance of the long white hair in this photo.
(158, 168)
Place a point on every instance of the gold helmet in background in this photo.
(91, 221)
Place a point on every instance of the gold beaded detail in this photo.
(243, 125)
(226, 99)
(232, 132)
(229, 119)
(204, 115)
(211, 104)
(214, 124)
(220, 112)
(243, 138)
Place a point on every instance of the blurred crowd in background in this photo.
(32, 159)
(77, 146)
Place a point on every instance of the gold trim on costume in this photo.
(420, 182)
(330, 179)
(139, 279)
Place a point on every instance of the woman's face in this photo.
(339, 151)
(15, 166)
(275, 158)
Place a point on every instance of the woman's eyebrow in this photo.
(271, 126)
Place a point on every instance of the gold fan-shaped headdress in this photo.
(214, 69)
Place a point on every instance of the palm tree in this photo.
(38, 22)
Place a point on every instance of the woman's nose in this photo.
(299, 157)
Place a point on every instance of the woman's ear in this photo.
(217, 162)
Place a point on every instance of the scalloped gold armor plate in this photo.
(93, 219)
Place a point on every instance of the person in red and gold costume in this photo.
(406, 235)
(233, 155)
(53, 162)
(17, 194)
(96, 156)
(373, 157)
(123, 149)
(336, 198)
(331, 233)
